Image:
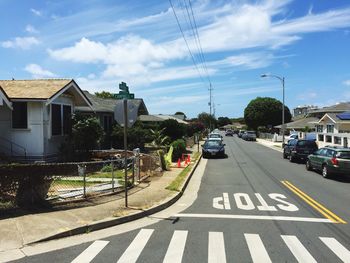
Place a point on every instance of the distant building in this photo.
(303, 110)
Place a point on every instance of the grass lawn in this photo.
(176, 184)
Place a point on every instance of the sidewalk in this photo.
(146, 198)
(273, 145)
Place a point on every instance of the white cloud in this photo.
(21, 42)
(38, 72)
(346, 82)
(232, 27)
(36, 12)
(31, 29)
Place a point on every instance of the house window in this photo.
(337, 140)
(330, 128)
(319, 128)
(329, 138)
(107, 123)
(61, 119)
(320, 137)
(19, 115)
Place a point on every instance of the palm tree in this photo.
(159, 139)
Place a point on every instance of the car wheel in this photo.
(291, 158)
(325, 172)
(284, 155)
(308, 165)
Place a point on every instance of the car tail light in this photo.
(334, 161)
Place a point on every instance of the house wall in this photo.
(30, 139)
(53, 143)
(5, 128)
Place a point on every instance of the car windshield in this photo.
(212, 143)
(310, 144)
(214, 136)
(344, 155)
(251, 132)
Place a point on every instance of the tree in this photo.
(194, 127)
(104, 95)
(173, 129)
(86, 132)
(208, 120)
(222, 121)
(265, 111)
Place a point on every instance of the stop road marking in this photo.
(244, 202)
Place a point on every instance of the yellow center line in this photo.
(317, 206)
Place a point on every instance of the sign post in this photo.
(125, 103)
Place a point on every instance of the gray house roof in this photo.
(160, 118)
(334, 117)
(340, 107)
(301, 123)
(107, 105)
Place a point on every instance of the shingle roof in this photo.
(334, 117)
(33, 89)
(301, 123)
(340, 107)
(159, 118)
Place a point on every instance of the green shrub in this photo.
(106, 169)
(179, 148)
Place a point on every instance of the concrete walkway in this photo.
(273, 145)
(22, 230)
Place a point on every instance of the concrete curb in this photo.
(117, 221)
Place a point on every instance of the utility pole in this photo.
(210, 103)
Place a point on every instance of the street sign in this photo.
(132, 111)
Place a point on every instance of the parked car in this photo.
(214, 135)
(240, 133)
(213, 148)
(330, 160)
(292, 136)
(298, 149)
(249, 136)
(229, 133)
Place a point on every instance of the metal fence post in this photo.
(84, 176)
(112, 166)
(133, 170)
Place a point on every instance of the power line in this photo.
(183, 35)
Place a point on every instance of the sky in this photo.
(228, 44)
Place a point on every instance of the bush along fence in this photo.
(26, 185)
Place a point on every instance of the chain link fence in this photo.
(23, 185)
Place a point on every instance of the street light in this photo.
(282, 81)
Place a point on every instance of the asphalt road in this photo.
(252, 206)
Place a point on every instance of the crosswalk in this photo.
(216, 248)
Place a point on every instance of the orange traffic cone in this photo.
(188, 158)
(179, 163)
(186, 163)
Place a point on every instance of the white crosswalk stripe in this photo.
(176, 247)
(134, 250)
(256, 248)
(216, 248)
(91, 252)
(337, 248)
(298, 250)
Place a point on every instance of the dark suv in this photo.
(330, 160)
(298, 149)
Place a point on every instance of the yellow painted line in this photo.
(317, 206)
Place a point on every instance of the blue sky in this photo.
(101, 43)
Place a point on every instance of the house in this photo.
(35, 116)
(333, 129)
(103, 109)
(328, 123)
(303, 110)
